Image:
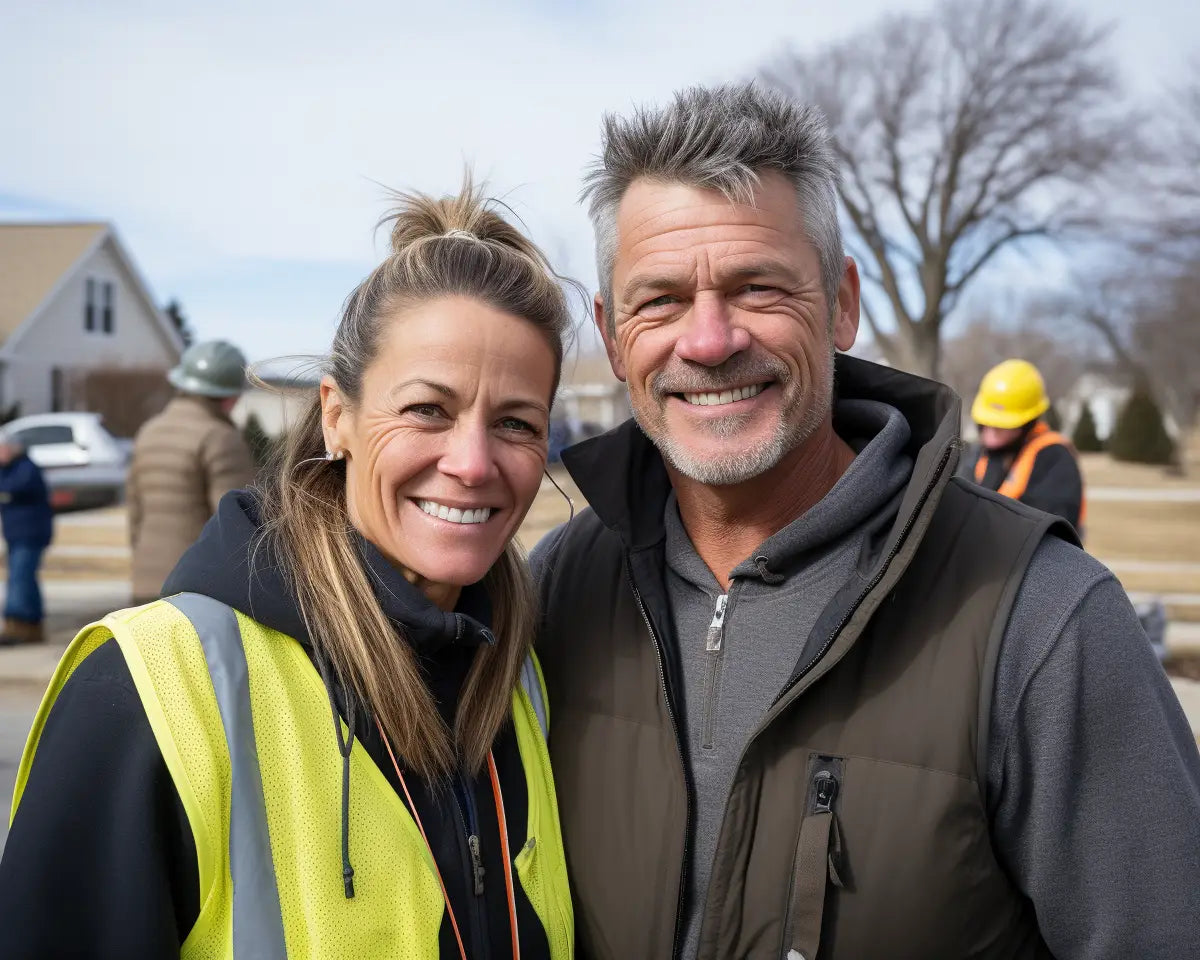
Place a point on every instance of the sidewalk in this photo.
(1145, 494)
(71, 605)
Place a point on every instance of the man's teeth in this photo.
(453, 514)
(725, 396)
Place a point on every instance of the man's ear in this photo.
(605, 324)
(334, 417)
(845, 319)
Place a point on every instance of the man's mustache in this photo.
(740, 370)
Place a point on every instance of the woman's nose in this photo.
(469, 456)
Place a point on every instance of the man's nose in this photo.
(710, 337)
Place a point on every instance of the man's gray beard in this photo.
(740, 467)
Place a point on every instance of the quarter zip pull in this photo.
(716, 629)
(476, 864)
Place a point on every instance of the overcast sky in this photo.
(238, 146)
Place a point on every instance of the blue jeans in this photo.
(24, 598)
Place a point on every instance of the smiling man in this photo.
(812, 696)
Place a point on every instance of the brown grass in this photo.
(58, 567)
(1169, 581)
(1183, 664)
(115, 536)
(550, 509)
(1100, 470)
(1144, 530)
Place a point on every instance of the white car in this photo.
(84, 465)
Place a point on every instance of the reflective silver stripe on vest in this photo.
(257, 919)
(533, 690)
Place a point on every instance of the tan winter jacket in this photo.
(184, 460)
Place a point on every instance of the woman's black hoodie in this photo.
(100, 861)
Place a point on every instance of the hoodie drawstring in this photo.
(765, 572)
(345, 745)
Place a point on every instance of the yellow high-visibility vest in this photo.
(241, 717)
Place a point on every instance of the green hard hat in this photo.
(215, 368)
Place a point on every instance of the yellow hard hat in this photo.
(1011, 395)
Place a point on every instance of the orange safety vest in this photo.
(1040, 437)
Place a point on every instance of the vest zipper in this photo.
(713, 646)
(817, 861)
(477, 870)
(826, 786)
(875, 580)
(473, 861)
(687, 793)
(771, 713)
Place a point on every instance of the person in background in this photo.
(184, 460)
(1019, 455)
(28, 527)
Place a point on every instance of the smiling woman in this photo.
(373, 575)
(446, 442)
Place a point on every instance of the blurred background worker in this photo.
(1019, 455)
(184, 460)
(28, 527)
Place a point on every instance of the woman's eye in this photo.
(518, 425)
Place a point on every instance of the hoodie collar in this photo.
(622, 476)
(232, 563)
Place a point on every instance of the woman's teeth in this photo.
(453, 514)
(724, 396)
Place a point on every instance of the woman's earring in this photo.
(334, 455)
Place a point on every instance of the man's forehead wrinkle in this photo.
(715, 261)
(660, 220)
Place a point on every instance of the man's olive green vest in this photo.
(856, 826)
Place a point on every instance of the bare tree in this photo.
(1143, 309)
(962, 131)
(1174, 225)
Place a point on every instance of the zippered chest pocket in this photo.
(818, 861)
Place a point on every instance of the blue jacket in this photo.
(25, 503)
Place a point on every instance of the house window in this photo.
(99, 306)
(107, 316)
(89, 306)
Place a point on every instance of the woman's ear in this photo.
(333, 416)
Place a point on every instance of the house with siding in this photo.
(79, 328)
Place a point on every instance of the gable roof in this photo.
(34, 258)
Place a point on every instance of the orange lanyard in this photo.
(503, 823)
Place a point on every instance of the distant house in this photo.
(77, 323)
(280, 396)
